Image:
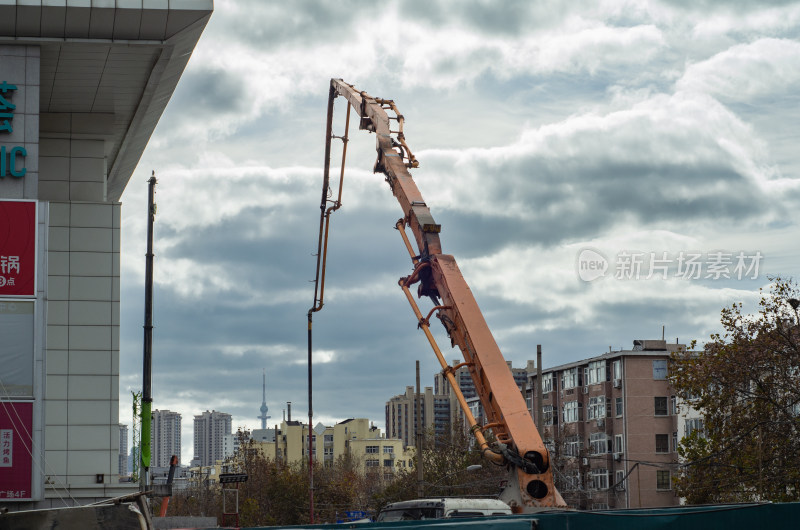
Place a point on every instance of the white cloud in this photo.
(764, 68)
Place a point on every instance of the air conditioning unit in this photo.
(585, 461)
(601, 422)
(620, 487)
(586, 390)
(617, 383)
(617, 457)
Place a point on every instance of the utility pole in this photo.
(420, 484)
(539, 394)
(147, 369)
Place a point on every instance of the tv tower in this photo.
(264, 409)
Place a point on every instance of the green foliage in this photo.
(746, 385)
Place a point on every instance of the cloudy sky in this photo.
(647, 146)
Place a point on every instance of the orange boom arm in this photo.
(518, 443)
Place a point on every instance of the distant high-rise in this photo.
(165, 437)
(264, 409)
(210, 429)
(123, 450)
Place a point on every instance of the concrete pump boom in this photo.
(517, 444)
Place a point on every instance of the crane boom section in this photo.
(509, 419)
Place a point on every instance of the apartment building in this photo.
(464, 380)
(165, 437)
(355, 438)
(123, 450)
(210, 429)
(611, 425)
(401, 414)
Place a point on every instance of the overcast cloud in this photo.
(542, 129)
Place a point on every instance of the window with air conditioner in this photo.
(618, 406)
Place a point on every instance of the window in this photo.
(599, 443)
(598, 479)
(694, 424)
(597, 407)
(618, 403)
(572, 411)
(618, 443)
(573, 446)
(388, 449)
(547, 414)
(660, 369)
(547, 383)
(373, 462)
(663, 481)
(662, 443)
(569, 378)
(673, 405)
(596, 372)
(599, 506)
(572, 479)
(387, 462)
(619, 480)
(371, 449)
(328, 438)
(660, 406)
(617, 369)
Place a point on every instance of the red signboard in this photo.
(17, 248)
(16, 463)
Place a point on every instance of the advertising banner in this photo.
(16, 463)
(17, 248)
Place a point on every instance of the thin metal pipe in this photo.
(448, 372)
(147, 357)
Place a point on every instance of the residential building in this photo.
(83, 86)
(165, 437)
(123, 450)
(210, 429)
(401, 414)
(467, 386)
(611, 425)
(352, 438)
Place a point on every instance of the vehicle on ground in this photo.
(442, 508)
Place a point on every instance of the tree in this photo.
(445, 461)
(745, 383)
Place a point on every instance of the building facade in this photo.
(401, 414)
(165, 437)
(210, 430)
(611, 426)
(358, 439)
(123, 450)
(83, 84)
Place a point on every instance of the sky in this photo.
(601, 171)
